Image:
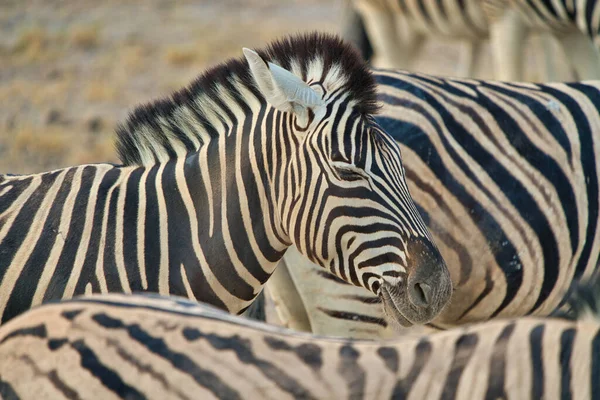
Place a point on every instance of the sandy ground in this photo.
(69, 70)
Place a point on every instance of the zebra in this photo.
(396, 29)
(574, 23)
(148, 346)
(506, 176)
(218, 181)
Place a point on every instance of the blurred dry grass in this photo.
(70, 70)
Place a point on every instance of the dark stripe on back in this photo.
(180, 361)
(390, 357)
(352, 372)
(309, 353)
(423, 352)
(38, 331)
(61, 386)
(7, 392)
(463, 350)
(497, 372)
(566, 350)
(242, 348)
(537, 362)
(109, 378)
(595, 373)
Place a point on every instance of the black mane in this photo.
(143, 126)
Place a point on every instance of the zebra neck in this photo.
(207, 223)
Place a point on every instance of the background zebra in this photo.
(157, 347)
(506, 178)
(218, 181)
(396, 29)
(576, 24)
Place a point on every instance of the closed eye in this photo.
(349, 172)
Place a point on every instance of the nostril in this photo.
(421, 294)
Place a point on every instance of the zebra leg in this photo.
(353, 30)
(546, 59)
(506, 37)
(583, 55)
(468, 57)
(288, 304)
(380, 25)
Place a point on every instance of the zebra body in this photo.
(576, 24)
(397, 28)
(118, 346)
(506, 178)
(219, 180)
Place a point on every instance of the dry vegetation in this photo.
(70, 70)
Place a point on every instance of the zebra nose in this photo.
(420, 294)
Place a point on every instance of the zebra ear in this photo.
(282, 89)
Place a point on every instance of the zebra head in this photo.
(342, 196)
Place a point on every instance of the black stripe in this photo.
(151, 232)
(497, 371)
(217, 255)
(180, 361)
(242, 348)
(351, 371)
(329, 276)
(390, 357)
(9, 198)
(109, 378)
(351, 316)
(64, 266)
(537, 362)
(422, 352)
(38, 331)
(463, 350)
(587, 139)
(7, 392)
(595, 373)
(309, 353)
(88, 272)
(61, 386)
(566, 350)
(19, 230)
(22, 294)
(181, 248)
(130, 237)
(111, 273)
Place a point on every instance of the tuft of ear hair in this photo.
(582, 301)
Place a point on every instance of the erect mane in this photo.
(180, 123)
